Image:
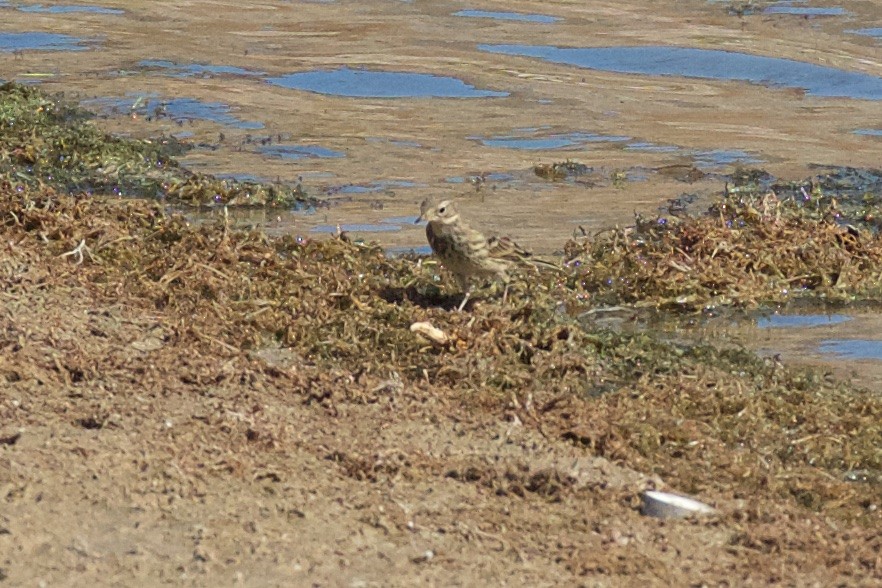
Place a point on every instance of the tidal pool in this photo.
(300, 152)
(179, 109)
(785, 8)
(516, 16)
(370, 188)
(722, 157)
(778, 321)
(548, 142)
(36, 41)
(65, 8)
(184, 70)
(852, 348)
(873, 32)
(363, 83)
(817, 80)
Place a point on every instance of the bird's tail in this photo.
(505, 248)
(544, 264)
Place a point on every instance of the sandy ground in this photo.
(132, 453)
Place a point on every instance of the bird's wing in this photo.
(440, 242)
(505, 248)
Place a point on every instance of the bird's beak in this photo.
(418, 220)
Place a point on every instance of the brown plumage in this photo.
(466, 252)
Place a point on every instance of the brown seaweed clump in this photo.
(560, 170)
(747, 250)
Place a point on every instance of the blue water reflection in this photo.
(779, 321)
(784, 8)
(183, 70)
(852, 348)
(713, 158)
(817, 80)
(356, 228)
(362, 83)
(517, 16)
(553, 141)
(68, 8)
(179, 109)
(300, 152)
(867, 32)
(10, 42)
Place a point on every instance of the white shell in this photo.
(430, 332)
(664, 505)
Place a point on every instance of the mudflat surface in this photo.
(140, 446)
(434, 145)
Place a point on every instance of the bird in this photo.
(465, 251)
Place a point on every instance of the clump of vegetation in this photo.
(710, 420)
(561, 170)
(760, 243)
(44, 141)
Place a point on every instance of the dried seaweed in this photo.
(711, 420)
(749, 249)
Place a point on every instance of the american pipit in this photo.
(466, 252)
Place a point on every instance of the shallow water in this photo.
(404, 91)
(549, 142)
(872, 32)
(370, 188)
(355, 228)
(41, 42)
(364, 83)
(402, 250)
(661, 60)
(66, 9)
(300, 151)
(651, 147)
(515, 16)
(177, 109)
(835, 339)
(783, 321)
(782, 8)
(194, 69)
(852, 348)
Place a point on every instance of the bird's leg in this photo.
(464, 300)
(506, 280)
(463, 281)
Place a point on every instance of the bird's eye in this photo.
(441, 210)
